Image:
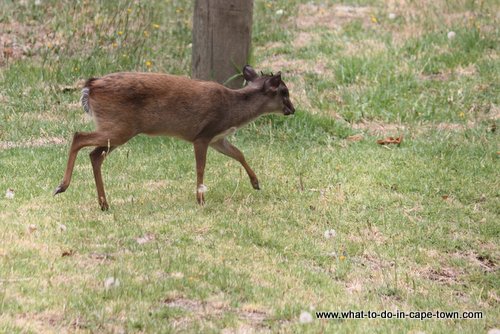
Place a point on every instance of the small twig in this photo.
(236, 188)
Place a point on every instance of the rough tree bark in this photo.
(221, 39)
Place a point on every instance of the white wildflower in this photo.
(111, 282)
(280, 12)
(9, 194)
(330, 234)
(451, 35)
(305, 317)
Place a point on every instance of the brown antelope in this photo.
(204, 113)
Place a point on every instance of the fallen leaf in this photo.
(355, 138)
(390, 140)
(68, 253)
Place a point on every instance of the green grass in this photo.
(416, 224)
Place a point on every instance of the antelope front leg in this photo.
(226, 148)
(200, 153)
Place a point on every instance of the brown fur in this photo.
(126, 104)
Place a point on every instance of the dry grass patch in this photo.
(251, 316)
(486, 264)
(423, 16)
(447, 275)
(370, 234)
(36, 142)
(42, 322)
(305, 38)
(332, 17)
(364, 47)
(376, 128)
(295, 66)
(19, 40)
(448, 74)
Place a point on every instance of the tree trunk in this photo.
(221, 39)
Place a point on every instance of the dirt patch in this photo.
(379, 128)
(371, 234)
(251, 315)
(487, 264)
(333, 17)
(448, 275)
(374, 263)
(42, 322)
(470, 70)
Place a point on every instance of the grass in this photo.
(416, 224)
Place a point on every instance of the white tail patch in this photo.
(202, 189)
(85, 100)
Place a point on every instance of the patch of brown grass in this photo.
(379, 128)
(486, 264)
(447, 275)
(427, 15)
(18, 40)
(251, 316)
(332, 17)
(41, 322)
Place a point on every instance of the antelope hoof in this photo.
(200, 198)
(255, 184)
(200, 194)
(60, 189)
(103, 204)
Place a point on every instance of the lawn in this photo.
(341, 223)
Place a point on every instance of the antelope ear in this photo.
(274, 82)
(249, 73)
